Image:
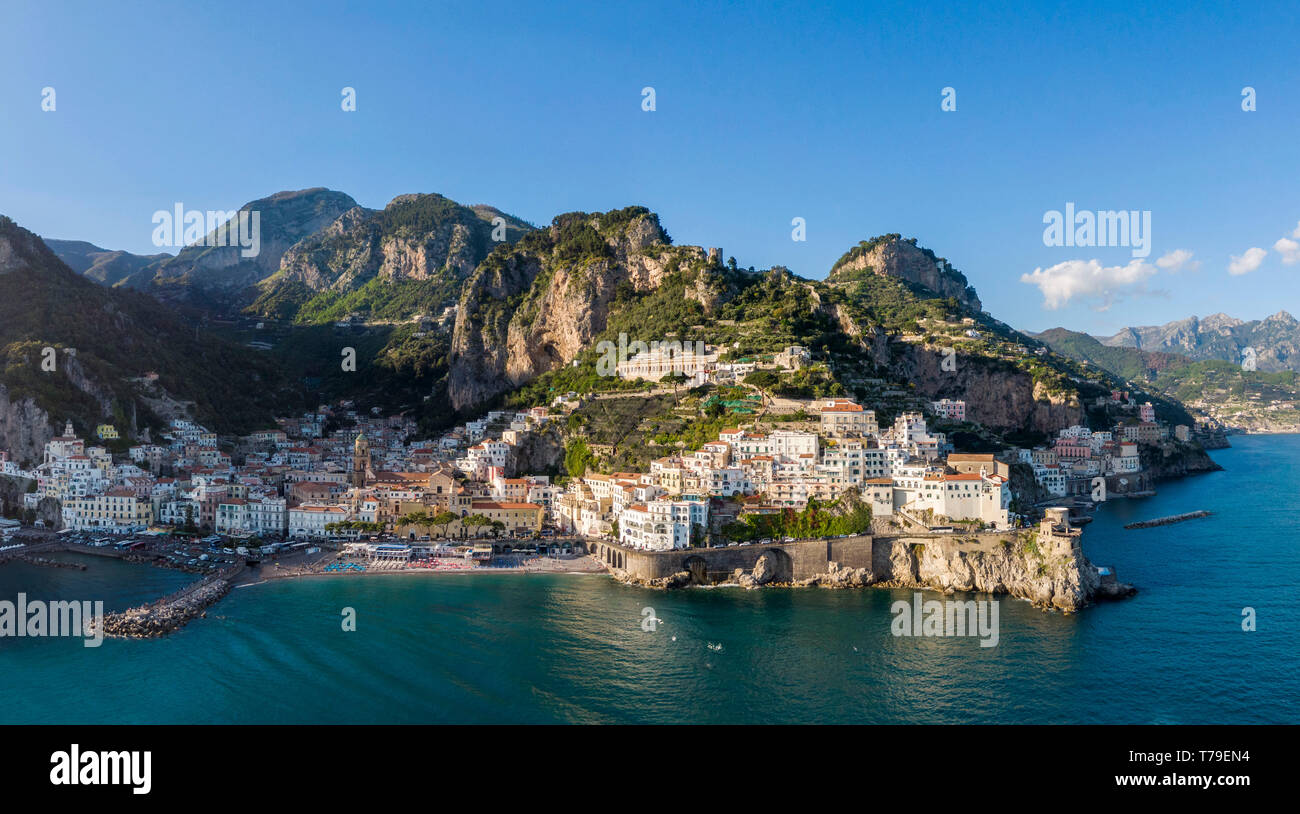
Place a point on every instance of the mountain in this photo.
(1129, 363)
(1223, 392)
(890, 325)
(104, 265)
(892, 256)
(219, 276)
(117, 357)
(408, 259)
(533, 306)
(1275, 340)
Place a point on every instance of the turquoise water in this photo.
(567, 648)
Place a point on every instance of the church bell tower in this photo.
(360, 461)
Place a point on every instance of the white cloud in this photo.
(1296, 233)
(1247, 262)
(1177, 260)
(1086, 279)
(1289, 249)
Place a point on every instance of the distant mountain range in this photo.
(104, 266)
(1275, 341)
(1220, 389)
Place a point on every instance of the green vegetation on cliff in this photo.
(844, 516)
(106, 340)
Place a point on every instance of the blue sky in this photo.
(764, 113)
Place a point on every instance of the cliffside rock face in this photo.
(531, 308)
(536, 453)
(893, 256)
(764, 570)
(345, 249)
(995, 397)
(50, 510)
(1049, 580)
(1174, 459)
(24, 428)
(11, 494)
(422, 238)
(285, 219)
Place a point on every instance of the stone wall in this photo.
(798, 560)
(1045, 565)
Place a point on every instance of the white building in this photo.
(661, 525)
(309, 520)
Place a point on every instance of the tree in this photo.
(444, 519)
(476, 521)
(578, 457)
(419, 519)
(675, 379)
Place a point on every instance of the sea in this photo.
(1211, 637)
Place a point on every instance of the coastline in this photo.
(274, 571)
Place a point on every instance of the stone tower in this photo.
(1055, 533)
(360, 461)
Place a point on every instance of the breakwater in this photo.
(169, 613)
(45, 562)
(1166, 521)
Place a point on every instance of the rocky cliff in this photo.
(533, 307)
(893, 256)
(996, 396)
(1018, 567)
(409, 258)
(1012, 563)
(1174, 459)
(204, 272)
(1273, 342)
(1048, 570)
(24, 428)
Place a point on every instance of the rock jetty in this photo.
(167, 614)
(1165, 521)
(45, 562)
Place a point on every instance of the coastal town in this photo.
(365, 485)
